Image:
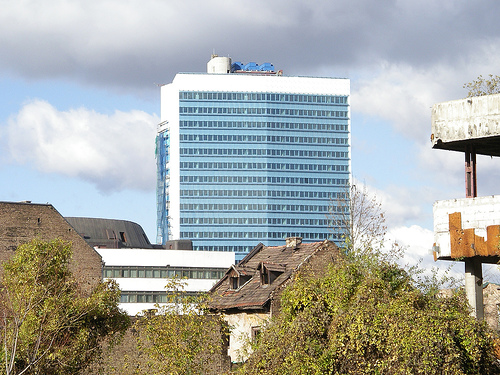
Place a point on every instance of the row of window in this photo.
(256, 235)
(304, 208)
(265, 166)
(262, 111)
(262, 152)
(263, 180)
(151, 297)
(162, 272)
(252, 221)
(226, 248)
(261, 193)
(262, 96)
(262, 125)
(238, 138)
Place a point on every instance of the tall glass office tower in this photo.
(247, 155)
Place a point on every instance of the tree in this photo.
(371, 319)
(48, 325)
(182, 337)
(483, 86)
(360, 217)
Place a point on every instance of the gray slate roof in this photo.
(110, 233)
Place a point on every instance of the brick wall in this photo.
(22, 222)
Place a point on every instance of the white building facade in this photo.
(142, 273)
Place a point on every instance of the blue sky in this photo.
(79, 96)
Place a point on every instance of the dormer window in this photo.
(238, 281)
(270, 272)
(238, 278)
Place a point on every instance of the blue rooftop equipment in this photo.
(237, 65)
(250, 66)
(266, 67)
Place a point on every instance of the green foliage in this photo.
(483, 86)
(182, 337)
(48, 325)
(366, 316)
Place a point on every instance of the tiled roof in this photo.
(253, 294)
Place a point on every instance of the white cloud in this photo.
(114, 152)
(417, 242)
(403, 95)
(401, 205)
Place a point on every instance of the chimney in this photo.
(293, 241)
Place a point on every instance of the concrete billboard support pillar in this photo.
(474, 286)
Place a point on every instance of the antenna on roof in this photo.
(213, 53)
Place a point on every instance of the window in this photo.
(162, 272)
(123, 237)
(111, 234)
(264, 277)
(236, 280)
(270, 272)
(255, 333)
(234, 283)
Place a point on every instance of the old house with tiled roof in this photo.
(249, 293)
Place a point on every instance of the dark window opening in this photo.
(123, 237)
(264, 277)
(238, 281)
(267, 276)
(234, 283)
(255, 333)
(273, 275)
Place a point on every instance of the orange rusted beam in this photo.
(465, 243)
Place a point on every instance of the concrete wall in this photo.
(22, 222)
(241, 325)
(477, 214)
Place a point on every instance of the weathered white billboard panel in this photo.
(457, 123)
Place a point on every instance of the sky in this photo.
(80, 97)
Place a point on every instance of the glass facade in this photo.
(162, 185)
(256, 167)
